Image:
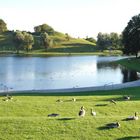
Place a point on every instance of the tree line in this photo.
(128, 41)
(25, 40)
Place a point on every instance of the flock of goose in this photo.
(82, 113)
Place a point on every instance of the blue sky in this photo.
(79, 18)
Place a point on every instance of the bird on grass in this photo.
(5, 99)
(93, 113)
(113, 101)
(73, 99)
(82, 112)
(135, 117)
(9, 97)
(126, 97)
(113, 125)
(59, 100)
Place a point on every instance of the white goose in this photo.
(93, 113)
(135, 117)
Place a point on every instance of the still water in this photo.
(31, 73)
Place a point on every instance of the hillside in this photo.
(60, 43)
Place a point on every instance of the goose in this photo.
(5, 99)
(59, 100)
(113, 125)
(82, 112)
(93, 113)
(126, 97)
(73, 99)
(135, 117)
(9, 97)
(112, 101)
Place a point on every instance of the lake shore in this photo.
(82, 89)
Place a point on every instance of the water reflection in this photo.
(61, 72)
(129, 75)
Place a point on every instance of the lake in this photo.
(33, 73)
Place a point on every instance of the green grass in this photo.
(25, 117)
(131, 63)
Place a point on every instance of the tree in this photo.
(3, 26)
(67, 36)
(91, 39)
(131, 36)
(18, 40)
(28, 41)
(115, 40)
(23, 40)
(37, 29)
(45, 40)
(103, 41)
(109, 41)
(44, 28)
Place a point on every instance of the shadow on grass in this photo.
(66, 119)
(101, 104)
(103, 128)
(129, 138)
(129, 119)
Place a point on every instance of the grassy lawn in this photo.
(131, 63)
(25, 117)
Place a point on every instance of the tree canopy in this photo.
(3, 26)
(108, 41)
(45, 40)
(23, 40)
(44, 28)
(131, 36)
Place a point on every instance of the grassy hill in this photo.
(61, 44)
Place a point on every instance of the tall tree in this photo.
(67, 36)
(45, 40)
(131, 36)
(103, 41)
(3, 26)
(28, 41)
(18, 40)
(23, 40)
(115, 40)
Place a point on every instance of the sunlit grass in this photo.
(26, 116)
